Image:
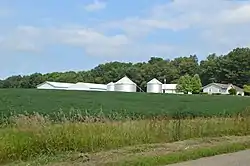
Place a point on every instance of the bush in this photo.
(247, 93)
(204, 93)
(232, 91)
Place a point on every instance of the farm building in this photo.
(169, 88)
(154, 86)
(88, 87)
(111, 86)
(72, 86)
(221, 88)
(54, 85)
(125, 85)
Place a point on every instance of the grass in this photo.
(48, 102)
(27, 137)
(37, 123)
(183, 155)
(147, 154)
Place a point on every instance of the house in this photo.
(54, 85)
(213, 88)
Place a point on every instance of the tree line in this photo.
(233, 67)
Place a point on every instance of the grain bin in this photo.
(125, 85)
(111, 86)
(154, 86)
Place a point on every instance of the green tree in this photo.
(235, 67)
(185, 84)
(247, 89)
(186, 65)
(209, 69)
(196, 84)
(231, 68)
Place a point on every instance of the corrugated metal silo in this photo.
(154, 86)
(111, 86)
(125, 85)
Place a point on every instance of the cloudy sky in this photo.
(60, 35)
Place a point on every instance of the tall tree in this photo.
(186, 65)
(196, 84)
(209, 69)
(185, 84)
(231, 68)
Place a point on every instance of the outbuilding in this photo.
(88, 87)
(125, 85)
(54, 85)
(154, 86)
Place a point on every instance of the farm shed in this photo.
(221, 88)
(88, 87)
(154, 86)
(111, 86)
(125, 85)
(54, 85)
(170, 88)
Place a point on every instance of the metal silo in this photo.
(154, 86)
(111, 86)
(125, 85)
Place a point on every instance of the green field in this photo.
(123, 104)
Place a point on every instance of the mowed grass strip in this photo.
(48, 102)
(184, 155)
(27, 137)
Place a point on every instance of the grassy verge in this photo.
(147, 154)
(28, 137)
(184, 155)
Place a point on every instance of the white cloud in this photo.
(216, 22)
(29, 38)
(217, 25)
(96, 5)
(183, 14)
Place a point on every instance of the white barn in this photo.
(54, 85)
(88, 87)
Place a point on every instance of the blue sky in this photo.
(46, 36)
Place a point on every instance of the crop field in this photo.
(49, 102)
(25, 138)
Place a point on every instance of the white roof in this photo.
(58, 84)
(83, 85)
(125, 80)
(154, 81)
(169, 86)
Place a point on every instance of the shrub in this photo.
(232, 91)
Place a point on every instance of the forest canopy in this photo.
(233, 67)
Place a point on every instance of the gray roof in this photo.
(238, 88)
(224, 86)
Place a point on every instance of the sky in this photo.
(55, 36)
